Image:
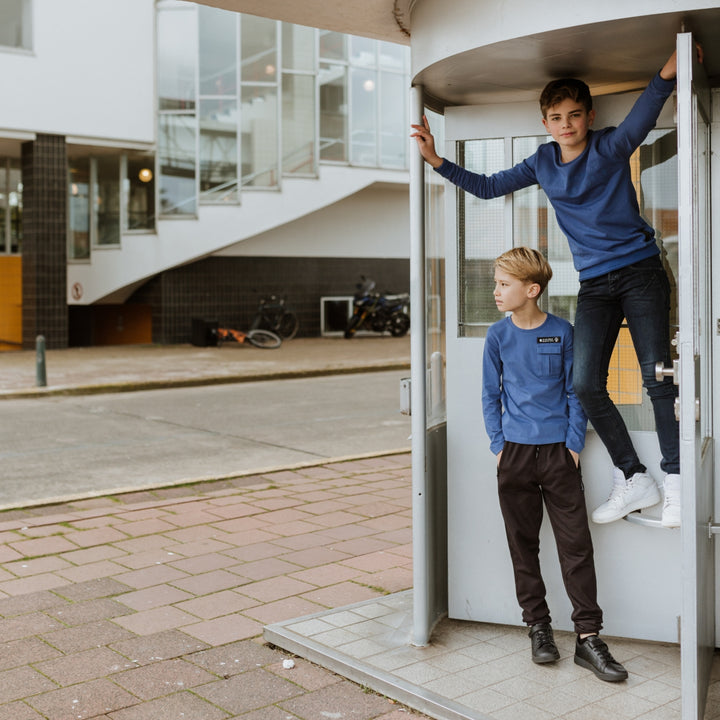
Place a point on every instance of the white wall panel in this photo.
(90, 74)
(372, 223)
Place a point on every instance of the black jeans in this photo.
(640, 293)
(527, 476)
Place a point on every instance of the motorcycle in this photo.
(377, 312)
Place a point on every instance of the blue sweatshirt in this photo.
(593, 196)
(527, 386)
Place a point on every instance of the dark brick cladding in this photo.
(44, 266)
(227, 289)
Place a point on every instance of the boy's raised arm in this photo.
(669, 69)
(426, 143)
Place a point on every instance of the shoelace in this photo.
(543, 637)
(616, 494)
(600, 648)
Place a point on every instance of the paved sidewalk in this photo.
(142, 367)
(151, 605)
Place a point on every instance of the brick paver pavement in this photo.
(151, 604)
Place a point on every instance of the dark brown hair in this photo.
(565, 89)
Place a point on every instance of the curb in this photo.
(62, 499)
(101, 388)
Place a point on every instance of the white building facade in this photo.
(200, 159)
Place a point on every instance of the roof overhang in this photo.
(379, 19)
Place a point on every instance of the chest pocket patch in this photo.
(549, 354)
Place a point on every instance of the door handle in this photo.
(662, 372)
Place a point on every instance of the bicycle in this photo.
(265, 339)
(274, 315)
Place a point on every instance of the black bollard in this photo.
(40, 370)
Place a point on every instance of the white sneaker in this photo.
(638, 492)
(671, 506)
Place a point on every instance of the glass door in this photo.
(695, 376)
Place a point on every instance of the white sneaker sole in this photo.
(652, 497)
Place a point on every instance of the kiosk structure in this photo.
(654, 584)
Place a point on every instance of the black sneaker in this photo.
(593, 654)
(544, 649)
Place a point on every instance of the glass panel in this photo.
(333, 45)
(534, 225)
(363, 124)
(140, 193)
(176, 151)
(481, 238)
(107, 201)
(15, 18)
(177, 55)
(259, 136)
(393, 135)
(259, 49)
(654, 172)
(435, 279)
(394, 56)
(218, 150)
(218, 51)
(363, 51)
(298, 117)
(658, 196)
(298, 47)
(79, 209)
(15, 206)
(333, 112)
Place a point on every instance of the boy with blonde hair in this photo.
(537, 430)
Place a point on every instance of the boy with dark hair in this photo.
(586, 176)
(537, 430)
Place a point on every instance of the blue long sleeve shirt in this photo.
(527, 394)
(593, 196)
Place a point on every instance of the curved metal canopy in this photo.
(611, 56)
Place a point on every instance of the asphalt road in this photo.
(57, 447)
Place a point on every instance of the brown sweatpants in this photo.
(527, 476)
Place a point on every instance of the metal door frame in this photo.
(695, 372)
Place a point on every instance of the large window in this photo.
(177, 124)
(484, 232)
(16, 24)
(259, 114)
(107, 195)
(332, 80)
(481, 239)
(245, 100)
(298, 100)
(10, 206)
(106, 198)
(218, 113)
(79, 209)
(139, 190)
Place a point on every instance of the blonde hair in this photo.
(527, 265)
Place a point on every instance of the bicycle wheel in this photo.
(264, 339)
(288, 326)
